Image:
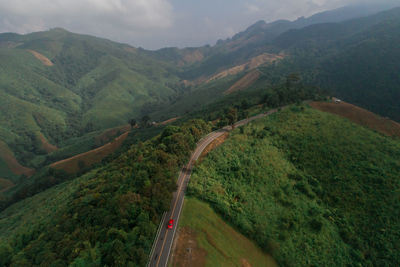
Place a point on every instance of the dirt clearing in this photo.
(42, 58)
(8, 156)
(5, 184)
(244, 82)
(46, 145)
(109, 134)
(360, 116)
(81, 161)
(245, 263)
(218, 141)
(250, 65)
(187, 251)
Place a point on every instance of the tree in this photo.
(291, 79)
(232, 116)
(6, 253)
(145, 120)
(132, 122)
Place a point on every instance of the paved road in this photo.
(163, 242)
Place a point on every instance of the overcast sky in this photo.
(155, 23)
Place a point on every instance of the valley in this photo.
(244, 144)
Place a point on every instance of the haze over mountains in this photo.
(62, 94)
(57, 85)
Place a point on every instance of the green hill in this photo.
(354, 60)
(63, 85)
(308, 187)
(106, 217)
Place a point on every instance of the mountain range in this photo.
(87, 158)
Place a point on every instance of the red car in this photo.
(170, 224)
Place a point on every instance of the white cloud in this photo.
(133, 15)
(251, 8)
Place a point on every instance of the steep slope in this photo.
(56, 85)
(108, 216)
(354, 60)
(309, 187)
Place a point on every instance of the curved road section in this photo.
(163, 243)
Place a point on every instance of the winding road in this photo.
(163, 242)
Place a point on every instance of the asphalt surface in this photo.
(163, 243)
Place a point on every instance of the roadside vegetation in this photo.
(204, 239)
(308, 187)
(107, 217)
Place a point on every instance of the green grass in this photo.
(309, 187)
(223, 244)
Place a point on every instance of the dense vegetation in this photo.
(354, 60)
(107, 217)
(309, 187)
(94, 84)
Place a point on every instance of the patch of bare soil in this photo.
(42, 58)
(78, 162)
(168, 121)
(244, 82)
(245, 263)
(250, 65)
(130, 49)
(8, 156)
(109, 134)
(5, 184)
(46, 145)
(191, 57)
(186, 251)
(360, 116)
(218, 141)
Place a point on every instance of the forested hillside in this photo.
(355, 60)
(106, 217)
(308, 187)
(58, 86)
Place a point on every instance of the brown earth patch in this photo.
(244, 82)
(187, 251)
(109, 134)
(360, 116)
(168, 121)
(130, 49)
(76, 163)
(46, 145)
(5, 184)
(218, 141)
(8, 156)
(245, 263)
(250, 65)
(191, 57)
(42, 58)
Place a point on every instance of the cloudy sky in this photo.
(155, 23)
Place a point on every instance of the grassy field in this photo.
(309, 187)
(212, 242)
(360, 116)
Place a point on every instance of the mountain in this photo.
(57, 85)
(256, 38)
(308, 187)
(355, 60)
(76, 86)
(305, 186)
